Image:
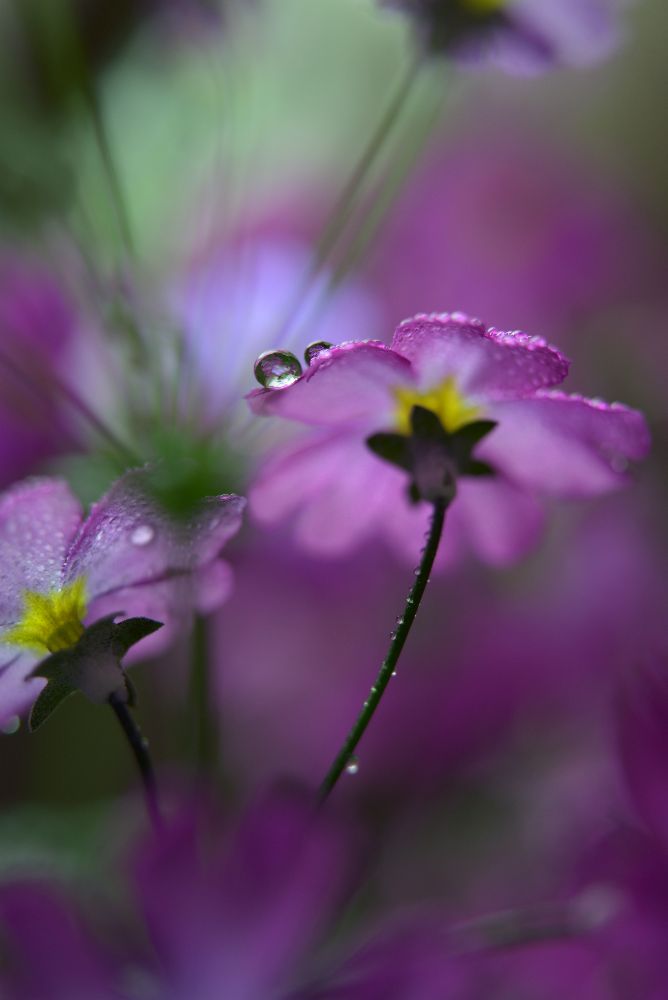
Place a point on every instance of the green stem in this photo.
(347, 199)
(111, 172)
(404, 624)
(139, 747)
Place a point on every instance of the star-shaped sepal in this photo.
(433, 457)
(93, 665)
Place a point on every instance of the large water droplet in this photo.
(353, 765)
(277, 369)
(142, 535)
(314, 349)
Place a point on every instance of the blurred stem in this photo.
(399, 636)
(205, 728)
(110, 169)
(347, 199)
(139, 747)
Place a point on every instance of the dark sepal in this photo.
(432, 456)
(92, 665)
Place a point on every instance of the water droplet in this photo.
(353, 765)
(394, 673)
(277, 369)
(12, 725)
(314, 349)
(143, 534)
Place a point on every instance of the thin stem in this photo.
(139, 747)
(345, 203)
(388, 667)
(109, 165)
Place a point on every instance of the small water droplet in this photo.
(12, 725)
(394, 673)
(353, 765)
(277, 369)
(143, 534)
(314, 349)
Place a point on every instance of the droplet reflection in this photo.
(277, 369)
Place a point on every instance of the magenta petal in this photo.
(487, 363)
(128, 539)
(346, 386)
(565, 445)
(38, 519)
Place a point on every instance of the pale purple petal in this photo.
(487, 363)
(349, 385)
(128, 540)
(565, 445)
(17, 693)
(38, 519)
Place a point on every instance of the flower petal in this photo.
(501, 522)
(486, 363)
(347, 385)
(17, 692)
(38, 519)
(565, 445)
(128, 539)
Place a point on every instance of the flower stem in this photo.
(139, 747)
(399, 637)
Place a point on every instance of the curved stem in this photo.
(139, 747)
(399, 637)
(347, 199)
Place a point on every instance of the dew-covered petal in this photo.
(17, 693)
(565, 445)
(129, 540)
(38, 519)
(486, 363)
(349, 385)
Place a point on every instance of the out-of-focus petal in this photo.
(565, 445)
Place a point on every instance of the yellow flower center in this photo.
(445, 400)
(52, 621)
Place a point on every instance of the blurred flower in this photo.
(519, 36)
(37, 327)
(545, 443)
(229, 913)
(59, 572)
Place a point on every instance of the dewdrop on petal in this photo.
(277, 369)
(315, 349)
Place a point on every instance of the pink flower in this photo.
(545, 443)
(60, 572)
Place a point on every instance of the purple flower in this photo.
(545, 442)
(519, 36)
(59, 572)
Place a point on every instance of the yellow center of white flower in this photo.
(445, 400)
(52, 621)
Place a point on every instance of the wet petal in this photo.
(486, 363)
(38, 519)
(349, 385)
(128, 540)
(565, 445)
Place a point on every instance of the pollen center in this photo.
(52, 621)
(445, 400)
